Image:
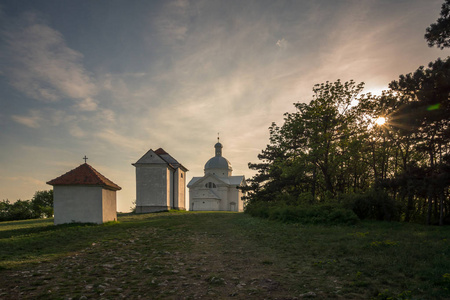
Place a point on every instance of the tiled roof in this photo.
(84, 175)
(160, 151)
(169, 159)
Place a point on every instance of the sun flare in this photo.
(380, 121)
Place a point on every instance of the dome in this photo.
(218, 162)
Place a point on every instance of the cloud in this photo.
(23, 179)
(48, 117)
(87, 104)
(76, 131)
(41, 65)
(172, 25)
(282, 43)
(115, 138)
(33, 120)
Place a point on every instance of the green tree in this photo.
(439, 33)
(41, 206)
(425, 110)
(324, 130)
(267, 182)
(21, 210)
(42, 203)
(309, 153)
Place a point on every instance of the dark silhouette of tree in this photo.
(425, 95)
(439, 33)
(331, 150)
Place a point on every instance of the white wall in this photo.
(77, 204)
(170, 187)
(152, 189)
(228, 194)
(109, 205)
(205, 204)
(179, 189)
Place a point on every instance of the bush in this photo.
(303, 214)
(374, 204)
(19, 210)
(40, 206)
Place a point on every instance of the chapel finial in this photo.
(218, 146)
(85, 159)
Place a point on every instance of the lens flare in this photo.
(434, 107)
(380, 121)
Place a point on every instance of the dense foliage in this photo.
(41, 206)
(335, 149)
(439, 33)
(385, 157)
(303, 214)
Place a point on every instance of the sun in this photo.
(380, 121)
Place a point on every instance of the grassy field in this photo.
(185, 255)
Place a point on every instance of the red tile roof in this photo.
(84, 175)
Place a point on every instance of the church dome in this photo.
(218, 164)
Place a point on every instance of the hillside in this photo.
(184, 255)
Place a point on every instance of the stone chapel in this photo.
(217, 189)
(160, 182)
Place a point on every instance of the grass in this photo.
(191, 255)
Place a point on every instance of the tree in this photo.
(21, 210)
(331, 148)
(325, 129)
(439, 33)
(267, 183)
(425, 110)
(42, 203)
(309, 153)
(41, 206)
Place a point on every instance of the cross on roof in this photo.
(218, 137)
(85, 159)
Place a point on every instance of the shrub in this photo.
(40, 206)
(303, 214)
(374, 204)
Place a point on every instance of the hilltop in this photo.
(185, 255)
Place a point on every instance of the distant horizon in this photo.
(111, 80)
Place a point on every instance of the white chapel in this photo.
(217, 189)
(160, 182)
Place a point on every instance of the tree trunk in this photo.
(313, 186)
(441, 208)
(409, 206)
(430, 190)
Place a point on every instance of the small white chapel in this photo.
(84, 195)
(217, 189)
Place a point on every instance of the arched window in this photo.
(210, 185)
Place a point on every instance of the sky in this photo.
(112, 79)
